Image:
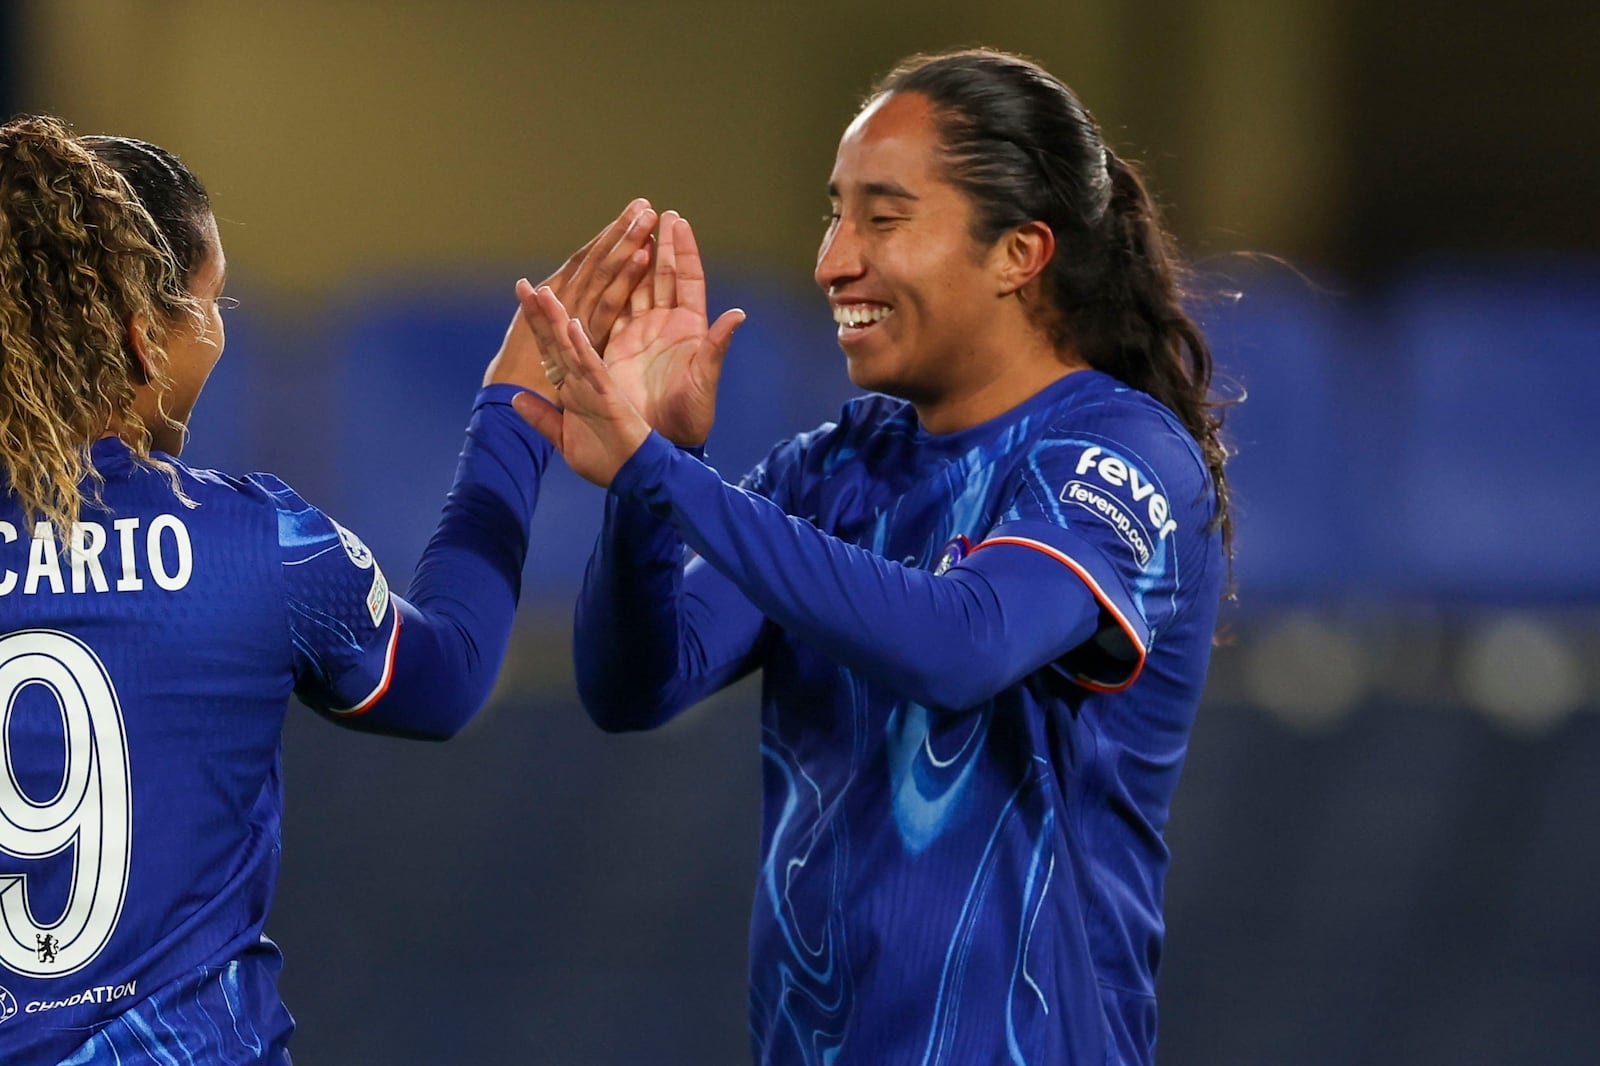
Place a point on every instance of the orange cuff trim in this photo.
(388, 672)
(1100, 596)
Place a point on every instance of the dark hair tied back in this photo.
(1023, 149)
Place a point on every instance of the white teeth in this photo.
(860, 314)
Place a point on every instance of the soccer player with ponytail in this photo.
(983, 600)
(155, 618)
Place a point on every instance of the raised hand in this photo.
(595, 283)
(661, 354)
(594, 427)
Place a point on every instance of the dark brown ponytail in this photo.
(1022, 148)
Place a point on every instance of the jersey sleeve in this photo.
(1125, 505)
(343, 624)
(656, 629)
(421, 665)
(948, 639)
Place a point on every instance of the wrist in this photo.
(689, 442)
(642, 468)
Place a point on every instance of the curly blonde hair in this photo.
(83, 264)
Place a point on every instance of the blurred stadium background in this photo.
(1387, 842)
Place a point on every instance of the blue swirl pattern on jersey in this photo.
(941, 882)
(212, 1017)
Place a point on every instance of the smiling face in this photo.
(916, 298)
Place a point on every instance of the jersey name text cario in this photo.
(125, 557)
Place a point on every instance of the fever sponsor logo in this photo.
(1092, 499)
(1149, 510)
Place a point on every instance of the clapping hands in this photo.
(661, 368)
(596, 282)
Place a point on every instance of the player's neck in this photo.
(1022, 368)
(147, 408)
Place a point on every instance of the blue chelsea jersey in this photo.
(985, 886)
(146, 659)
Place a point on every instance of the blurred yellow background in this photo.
(350, 138)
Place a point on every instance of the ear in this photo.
(139, 347)
(1023, 253)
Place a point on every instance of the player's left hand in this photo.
(594, 283)
(595, 428)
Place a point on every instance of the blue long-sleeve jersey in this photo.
(146, 659)
(982, 654)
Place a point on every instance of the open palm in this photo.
(662, 355)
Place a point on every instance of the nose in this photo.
(839, 257)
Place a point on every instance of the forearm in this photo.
(650, 639)
(625, 631)
(455, 622)
(946, 641)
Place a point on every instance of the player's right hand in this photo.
(593, 425)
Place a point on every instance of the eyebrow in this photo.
(891, 189)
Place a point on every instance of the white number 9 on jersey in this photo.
(91, 812)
